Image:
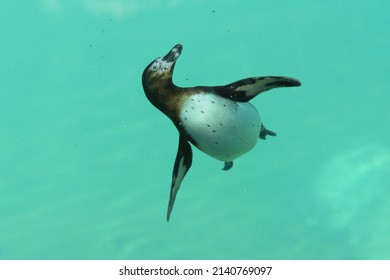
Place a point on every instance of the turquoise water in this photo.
(86, 160)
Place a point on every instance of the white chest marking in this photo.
(222, 128)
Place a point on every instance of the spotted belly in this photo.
(221, 128)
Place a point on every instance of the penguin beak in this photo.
(174, 53)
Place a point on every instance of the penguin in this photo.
(218, 120)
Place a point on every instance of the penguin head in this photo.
(157, 80)
(162, 67)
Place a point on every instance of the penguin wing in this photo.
(244, 90)
(182, 164)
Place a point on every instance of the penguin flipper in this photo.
(244, 90)
(182, 164)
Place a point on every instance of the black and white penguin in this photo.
(217, 120)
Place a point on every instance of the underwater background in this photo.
(86, 161)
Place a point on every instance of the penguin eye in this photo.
(154, 67)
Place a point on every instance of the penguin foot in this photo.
(227, 165)
(264, 132)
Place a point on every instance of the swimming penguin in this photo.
(217, 120)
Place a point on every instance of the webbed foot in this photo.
(228, 165)
(264, 132)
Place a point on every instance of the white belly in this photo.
(222, 128)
